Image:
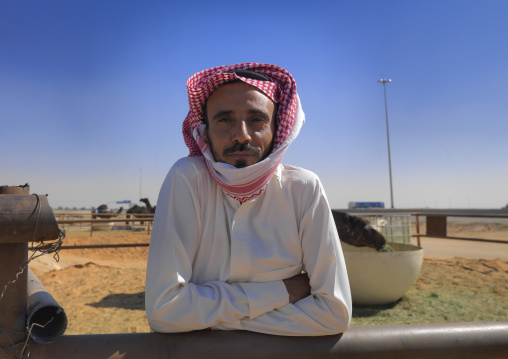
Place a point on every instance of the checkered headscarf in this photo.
(248, 182)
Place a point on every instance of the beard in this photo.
(240, 164)
(237, 147)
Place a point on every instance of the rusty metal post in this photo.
(418, 230)
(24, 218)
(436, 225)
(13, 284)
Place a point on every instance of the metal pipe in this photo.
(24, 189)
(415, 341)
(71, 221)
(464, 238)
(100, 246)
(26, 218)
(46, 319)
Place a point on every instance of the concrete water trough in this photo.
(381, 277)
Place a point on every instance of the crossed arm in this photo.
(298, 287)
(312, 303)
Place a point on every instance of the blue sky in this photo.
(92, 93)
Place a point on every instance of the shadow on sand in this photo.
(125, 301)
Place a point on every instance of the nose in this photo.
(241, 132)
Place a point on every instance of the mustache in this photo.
(241, 147)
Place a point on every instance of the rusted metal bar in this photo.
(13, 281)
(71, 221)
(13, 299)
(26, 218)
(415, 341)
(107, 214)
(148, 220)
(464, 238)
(435, 213)
(454, 214)
(418, 230)
(99, 246)
(46, 319)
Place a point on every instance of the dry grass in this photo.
(447, 290)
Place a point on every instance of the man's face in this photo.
(241, 124)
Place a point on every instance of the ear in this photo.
(205, 135)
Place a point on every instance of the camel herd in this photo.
(104, 212)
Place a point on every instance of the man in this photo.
(234, 228)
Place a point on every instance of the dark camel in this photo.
(357, 231)
(140, 209)
(103, 212)
(146, 201)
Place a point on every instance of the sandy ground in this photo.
(450, 248)
(102, 290)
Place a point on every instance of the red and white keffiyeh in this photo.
(249, 182)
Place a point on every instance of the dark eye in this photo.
(224, 119)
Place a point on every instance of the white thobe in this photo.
(216, 263)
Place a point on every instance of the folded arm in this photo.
(298, 287)
(314, 303)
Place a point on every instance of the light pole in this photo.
(140, 178)
(384, 82)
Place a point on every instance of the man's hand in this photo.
(298, 287)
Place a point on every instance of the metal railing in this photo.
(436, 221)
(437, 226)
(145, 220)
(415, 341)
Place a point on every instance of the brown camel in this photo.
(140, 209)
(357, 231)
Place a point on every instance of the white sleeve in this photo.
(173, 303)
(328, 309)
